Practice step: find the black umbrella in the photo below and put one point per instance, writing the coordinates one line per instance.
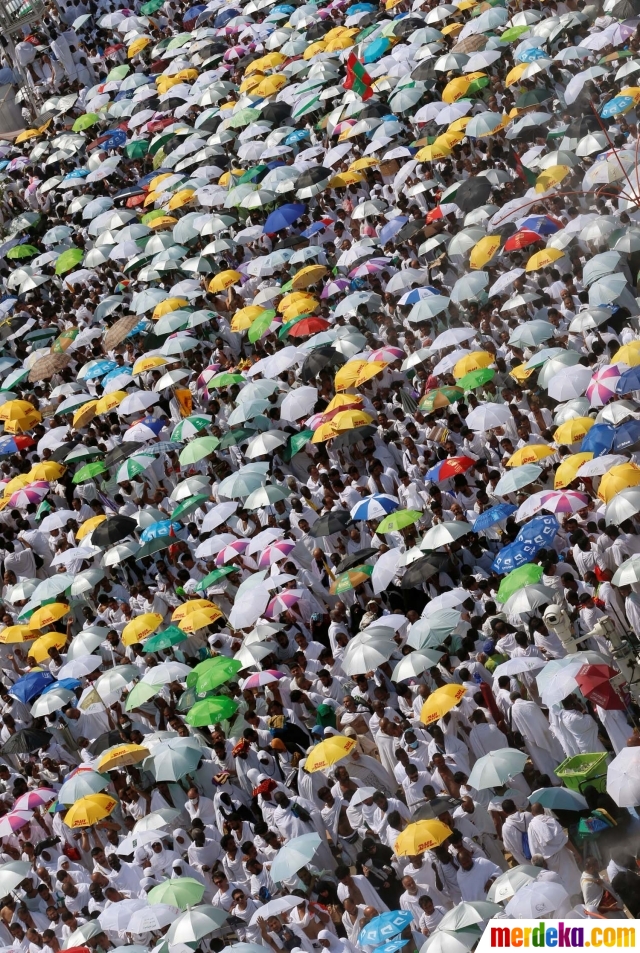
(313, 181)
(407, 25)
(356, 559)
(424, 70)
(582, 126)
(113, 530)
(504, 231)
(121, 453)
(330, 523)
(275, 112)
(318, 29)
(423, 569)
(473, 192)
(626, 9)
(435, 807)
(351, 437)
(408, 231)
(374, 110)
(319, 359)
(26, 740)
(104, 741)
(533, 97)
(293, 241)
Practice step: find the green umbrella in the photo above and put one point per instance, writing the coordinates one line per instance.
(15, 377)
(164, 640)
(151, 7)
(243, 117)
(89, 471)
(134, 466)
(136, 149)
(296, 443)
(118, 72)
(252, 174)
(83, 453)
(351, 579)
(398, 520)
(65, 340)
(287, 286)
(85, 122)
(306, 106)
(211, 711)
(513, 33)
(180, 892)
(68, 260)
(188, 505)
(517, 579)
(149, 217)
(533, 97)
(140, 694)
(261, 325)
(225, 380)
(23, 222)
(477, 85)
(191, 425)
(198, 449)
(233, 438)
(476, 378)
(287, 327)
(214, 576)
(22, 251)
(440, 397)
(212, 673)
(179, 40)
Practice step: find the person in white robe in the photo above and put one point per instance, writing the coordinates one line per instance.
(484, 737)
(514, 829)
(581, 726)
(542, 747)
(475, 876)
(616, 725)
(484, 829)
(548, 838)
(289, 825)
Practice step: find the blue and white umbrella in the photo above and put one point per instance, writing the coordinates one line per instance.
(375, 507)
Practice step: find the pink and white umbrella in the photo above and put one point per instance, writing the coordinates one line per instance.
(282, 602)
(388, 354)
(13, 821)
(603, 385)
(262, 678)
(33, 799)
(33, 493)
(275, 552)
(231, 551)
(564, 501)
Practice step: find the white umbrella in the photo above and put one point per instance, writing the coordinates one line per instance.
(298, 403)
(385, 569)
(623, 778)
(274, 907)
(86, 642)
(572, 382)
(527, 599)
(445, 533)
(366, 657)
(488, 416)
(218, 515)
(296, 853)
(542, 898)
(494, 769)
(507, 884)
(79, 667)
(153, 917)
(519, 665)
(624, 505)
(628, 573)
(600, 465)
(265, 443)
(117, 915)
(415, 664)
(249, 609)
(166, 672)
(51, 701)
(196, 923)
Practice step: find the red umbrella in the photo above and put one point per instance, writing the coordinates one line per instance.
(135, 200)
(521, 239)
(450, 467)
(308, 326)
(594, 681)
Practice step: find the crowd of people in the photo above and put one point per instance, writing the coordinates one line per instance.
(319, 492)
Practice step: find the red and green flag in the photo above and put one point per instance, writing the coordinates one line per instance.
(357, 77)
(527, 175)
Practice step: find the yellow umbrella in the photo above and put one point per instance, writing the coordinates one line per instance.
(26, 135)
(155, 182)
(17, 409)
(40, 648)
(308, 276)
(628, 354)
(456, 89)
(89, 525)
(85, 414)
(440, 702)
(89, 810)
(618, 478)
(329, 752)
(530, 454)
(521, 372)
(472, 362)
(186, 75)
(543, 258)
(567, 471)
(180, 198)
(251, 82)
(18, 633)
(370, 370)
(147, 363)
(313, 50)
(47, 615)
(551, 176)
(297, 297)
(49, 470)
(571, 431)
(141, 627)
(163, 221)
(367, 162)
(138, 46)
(348, 374)
(348, 419)
(421, 836)
(191, 606)
(341, 43)
(449, 139)
(152, 197)
(343, 400)
(168, 305)
(224, 280)
(121, 756)
(459, 125)
(633, 91)
(271, 85)
(269, 61)
(514, 74)
(22, 424)
(484, 250)
(299, 307)
(17, 483)
(343, 179)
(324, 432)
(245, 317)
(109, 401)
(432, 153)
(452, 29)
(200, 619)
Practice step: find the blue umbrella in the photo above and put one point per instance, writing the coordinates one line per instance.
(626, 435)
(223, 18)
(533, 537)
(8, 445)
(383, 928)
(76, 174)
(616, 106)
(152, 424)
(628, 381)
(376, 50)
(194, 12)
(97, 369)
(313, 229)
(370, 507)
(391, 228)
(116, 372)
(541, 224)
(541, 530)
(283, 217)
(599, 440)
(31, 685)
(114, 140)
(283, 8)
(296, 136)
(561, 799)
(160, 530)
(528, 56)
(70, 683)
(493, 516)
(360, 8)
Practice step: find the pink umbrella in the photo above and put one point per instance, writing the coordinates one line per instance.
(388, 354)
(369, 267)
(33, 493)
(564, 501)
(315, 421)
(275, 552)
(231, 551)
(14, 821)
(207, 374)
(282, 602)
(262, 678)
(603, 385)
(335, 287)
(33, 799)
